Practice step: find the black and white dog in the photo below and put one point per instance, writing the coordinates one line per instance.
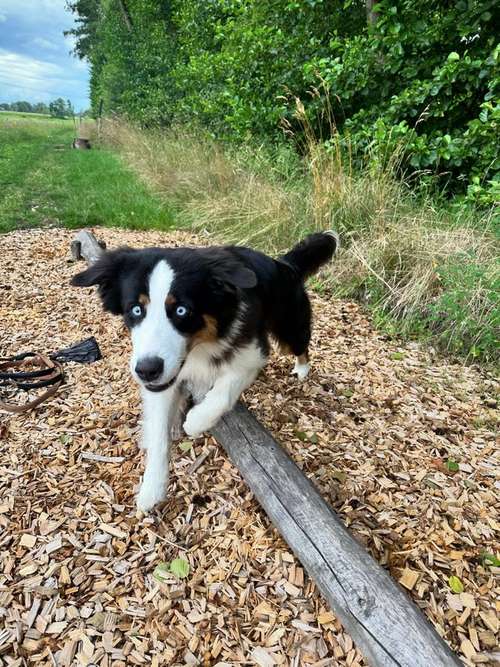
(199, 319)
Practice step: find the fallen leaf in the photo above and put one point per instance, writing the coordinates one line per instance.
(179, 567)
(455, 584)
(161, 572)
(490, 559)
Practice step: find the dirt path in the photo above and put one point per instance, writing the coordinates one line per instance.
(379, 428)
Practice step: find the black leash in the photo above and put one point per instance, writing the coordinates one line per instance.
(43, 371)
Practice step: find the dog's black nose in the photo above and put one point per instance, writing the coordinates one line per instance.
(149, 369)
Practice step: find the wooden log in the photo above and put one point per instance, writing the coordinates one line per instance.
(86, 246)
(384, 622)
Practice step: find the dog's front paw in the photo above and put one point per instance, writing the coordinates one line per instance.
(150, 494)
(196, 423)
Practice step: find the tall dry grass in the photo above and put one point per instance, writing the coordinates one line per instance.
(398, 254)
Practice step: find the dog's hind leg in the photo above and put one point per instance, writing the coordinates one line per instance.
(302, 366)
(294, 333)
(178, 412)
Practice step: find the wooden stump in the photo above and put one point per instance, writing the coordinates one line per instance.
(81, 144)
(86, 246)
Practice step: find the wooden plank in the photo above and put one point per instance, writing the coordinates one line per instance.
(384, 622)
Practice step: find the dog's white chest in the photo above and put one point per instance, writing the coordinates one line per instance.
(199, 372)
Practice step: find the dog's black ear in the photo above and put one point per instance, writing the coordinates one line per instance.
(234, 274)
(242, 277)
(106, 273)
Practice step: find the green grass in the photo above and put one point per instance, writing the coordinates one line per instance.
(44, 181)
(15, 115)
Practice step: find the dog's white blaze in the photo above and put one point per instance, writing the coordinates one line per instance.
(156, 336)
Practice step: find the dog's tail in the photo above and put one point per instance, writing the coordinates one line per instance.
(312, 252)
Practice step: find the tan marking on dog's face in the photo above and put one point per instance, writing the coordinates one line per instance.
(303, 358)
(143, 300)
(208, 334)
(170, 300)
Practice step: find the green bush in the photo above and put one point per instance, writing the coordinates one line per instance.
(422, 77)
(466, 314)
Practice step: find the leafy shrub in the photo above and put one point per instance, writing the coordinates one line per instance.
(466, 314)
(419, 269)
(423, 76)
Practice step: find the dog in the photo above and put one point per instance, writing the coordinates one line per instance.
(200, 321)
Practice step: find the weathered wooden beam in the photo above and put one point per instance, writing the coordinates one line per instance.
(384, 622)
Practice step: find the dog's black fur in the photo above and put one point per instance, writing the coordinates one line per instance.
(267, 294)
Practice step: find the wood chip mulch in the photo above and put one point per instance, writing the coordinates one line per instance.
(399, 441)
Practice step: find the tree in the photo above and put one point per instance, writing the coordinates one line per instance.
(22, 106)
(40, 107)
(60, 109)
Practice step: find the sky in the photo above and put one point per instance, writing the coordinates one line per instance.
(35, 58)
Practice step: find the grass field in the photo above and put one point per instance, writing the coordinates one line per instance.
(43, 181)
(16, 115)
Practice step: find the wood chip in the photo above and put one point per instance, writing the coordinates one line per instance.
(409, 578)
(112, 530)
(28, 541)
(262, 657)
(89, 456)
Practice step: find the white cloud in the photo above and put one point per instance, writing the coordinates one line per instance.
(71, 41)
(40, 10)
(45, 44)
(35, 60)
(36, 77)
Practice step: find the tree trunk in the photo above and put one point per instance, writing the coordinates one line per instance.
(371, 16)
(385, 623)
(126, 15)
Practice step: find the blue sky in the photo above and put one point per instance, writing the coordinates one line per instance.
(35, 60)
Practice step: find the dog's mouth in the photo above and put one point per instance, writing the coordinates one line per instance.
(156, 388)
(161, 387)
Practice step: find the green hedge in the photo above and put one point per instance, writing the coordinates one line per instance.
(421, 78)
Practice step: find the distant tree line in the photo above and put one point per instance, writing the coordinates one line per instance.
(58, 108)
(421, 79)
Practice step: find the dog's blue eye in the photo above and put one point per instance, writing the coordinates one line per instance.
(136, 311)
(181, 311)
